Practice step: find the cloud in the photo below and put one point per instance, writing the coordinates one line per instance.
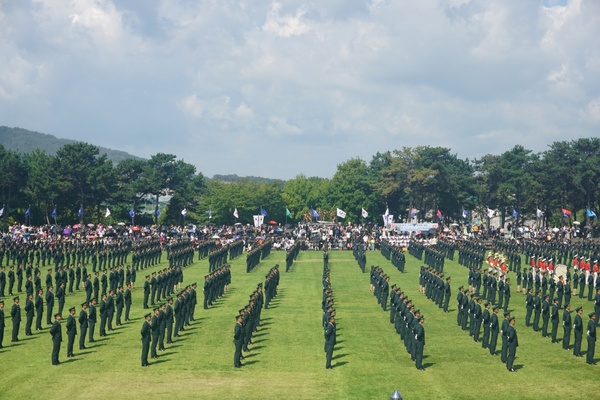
(218, 82)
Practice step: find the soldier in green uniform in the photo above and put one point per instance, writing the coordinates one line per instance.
(591, 339)
(330, 339)
(56, 333)
(146, 330)
(83, 325)
(554, 319)
(238, 340)
(503, 332)
(578, 331)
(486, 325)
(513, 343)
(71, 331)
(566, 321)
(494, 330)
(419, 343)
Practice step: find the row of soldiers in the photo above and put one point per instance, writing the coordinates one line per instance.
(182, 255)
(511, 252)
(217, 258)
(434, 258)
(495, 284)
(204, 248)
(162, 284)
(359, 253)
(408, 323)
(395, 254)
(546, 283)
(145, 254)
(292, 254)
(247, 322)
(471, 254)
(329, 314)
(254, 256)
(216, 284)
(431, 284)
(379, 286)
(446, 247)
(271, 284)
(236, 249)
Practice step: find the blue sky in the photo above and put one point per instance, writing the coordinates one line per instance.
(278, 88)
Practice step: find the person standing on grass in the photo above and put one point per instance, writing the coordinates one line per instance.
(591, 338)
(566, 321)
(494, 330)
(330, 339)
(56, 333)
(1, 322)
(238, 340)
(513, 343)
(578, 330)
(419, 343)
(83, 325)
(15, 313)
(92, 318)
(146, 331)
(71, 332)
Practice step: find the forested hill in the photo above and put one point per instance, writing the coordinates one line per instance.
(236, 178)
(24, 141)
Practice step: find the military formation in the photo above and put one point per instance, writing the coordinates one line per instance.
(395, 254)
(358, 251)
(328, 321)
(247, 323)
(292, 254)
(254, 256)
(215, 285)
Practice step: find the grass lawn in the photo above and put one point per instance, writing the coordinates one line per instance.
(287, 359)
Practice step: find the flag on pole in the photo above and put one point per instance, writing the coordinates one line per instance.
(490, 212)
(340, 213)
(439, 215)
(27, 212)
(131, 213)
(566, 213)
(235, 213)
(314, 213)
(157, 212)
(590, 213)
(515, 214)
(184, 212)
(364, 213)
(80, 212)
(288, 213)
(54, 213)
(413, 212)
(464, 213)
(1, 211)
(107, 213)
(263, 212)
(539, 213)
(209, 213)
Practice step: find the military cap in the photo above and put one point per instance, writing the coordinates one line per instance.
(579, 308)
(506, 313)
(15, 298)
(71, 309)
(148, 315)
(591, 314)
(83, 304)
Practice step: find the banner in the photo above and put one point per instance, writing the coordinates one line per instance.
(258, 220)
(422, 227)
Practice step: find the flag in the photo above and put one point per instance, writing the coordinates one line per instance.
(53, 213)
(1, 211)
(288, 213)
(184, 212)
(515, 214)
(364, 213)
(80, 212)
(590, 213)
(314, 213)
(490, 212)
(340, 213)
(539, 213)
(27, 212)
(131, 213)
(107, 213)
(263, 212)
(157, 212)
(413, 212)
(386, 213)
(439, 215)
(566, 213)
(464, 213)
(209, 213)
(235, 213)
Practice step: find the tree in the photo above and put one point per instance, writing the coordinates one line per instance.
(351, 189)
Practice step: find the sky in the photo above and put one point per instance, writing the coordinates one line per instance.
(279, 88)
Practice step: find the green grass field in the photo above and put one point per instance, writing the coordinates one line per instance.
(287, 359)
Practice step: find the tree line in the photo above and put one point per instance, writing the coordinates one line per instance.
(422, 178)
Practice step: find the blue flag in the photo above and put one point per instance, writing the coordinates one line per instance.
(464, 213)
(80, 212)
(27, 212)
(515, 214)
(131, 213)
(314, 213)
(263, 212)
(590, 213)
(158, 212)
(54, 213)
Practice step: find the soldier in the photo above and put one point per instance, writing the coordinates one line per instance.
(60, 296)
(83, 326)
(503, 332)
(537, 310)
(127, 300)
(39, 310)
(494, 330)
(169, 320)
(29, 314)
(71, 331)
(155, 327)
(146, 291)
(545, 315)
(330, 340)
(92, 318)
(477, 319)
(566, 321)
(513, 343)
(554, 319)
(578, 330)
(486, 325)
(506, 293)
(591, 339)
(56, 333)
(103, 315)
(110, 309)
(238, 340)
(1, 322)
(15, 313)
(119, 303)
(96, 285)
(49, 304)
(447, 293)
(419, 343)
(146, 333)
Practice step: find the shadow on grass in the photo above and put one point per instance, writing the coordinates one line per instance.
(251, 355)
(338, 356)
(517, 367)
(427, 365)
(158, 362)
(250, 362)
(257, 347)
(259, 341)
(340, 363)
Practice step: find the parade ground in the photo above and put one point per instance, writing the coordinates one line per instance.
(287, 358)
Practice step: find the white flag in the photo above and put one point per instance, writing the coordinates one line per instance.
(364, 213)
(490, 212)
(1, 211)
(235, 213)
(184, 212)
(539, 213)
(107, 213)
(341, 213)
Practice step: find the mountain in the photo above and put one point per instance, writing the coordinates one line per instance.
(234, 178)
(24, 141)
